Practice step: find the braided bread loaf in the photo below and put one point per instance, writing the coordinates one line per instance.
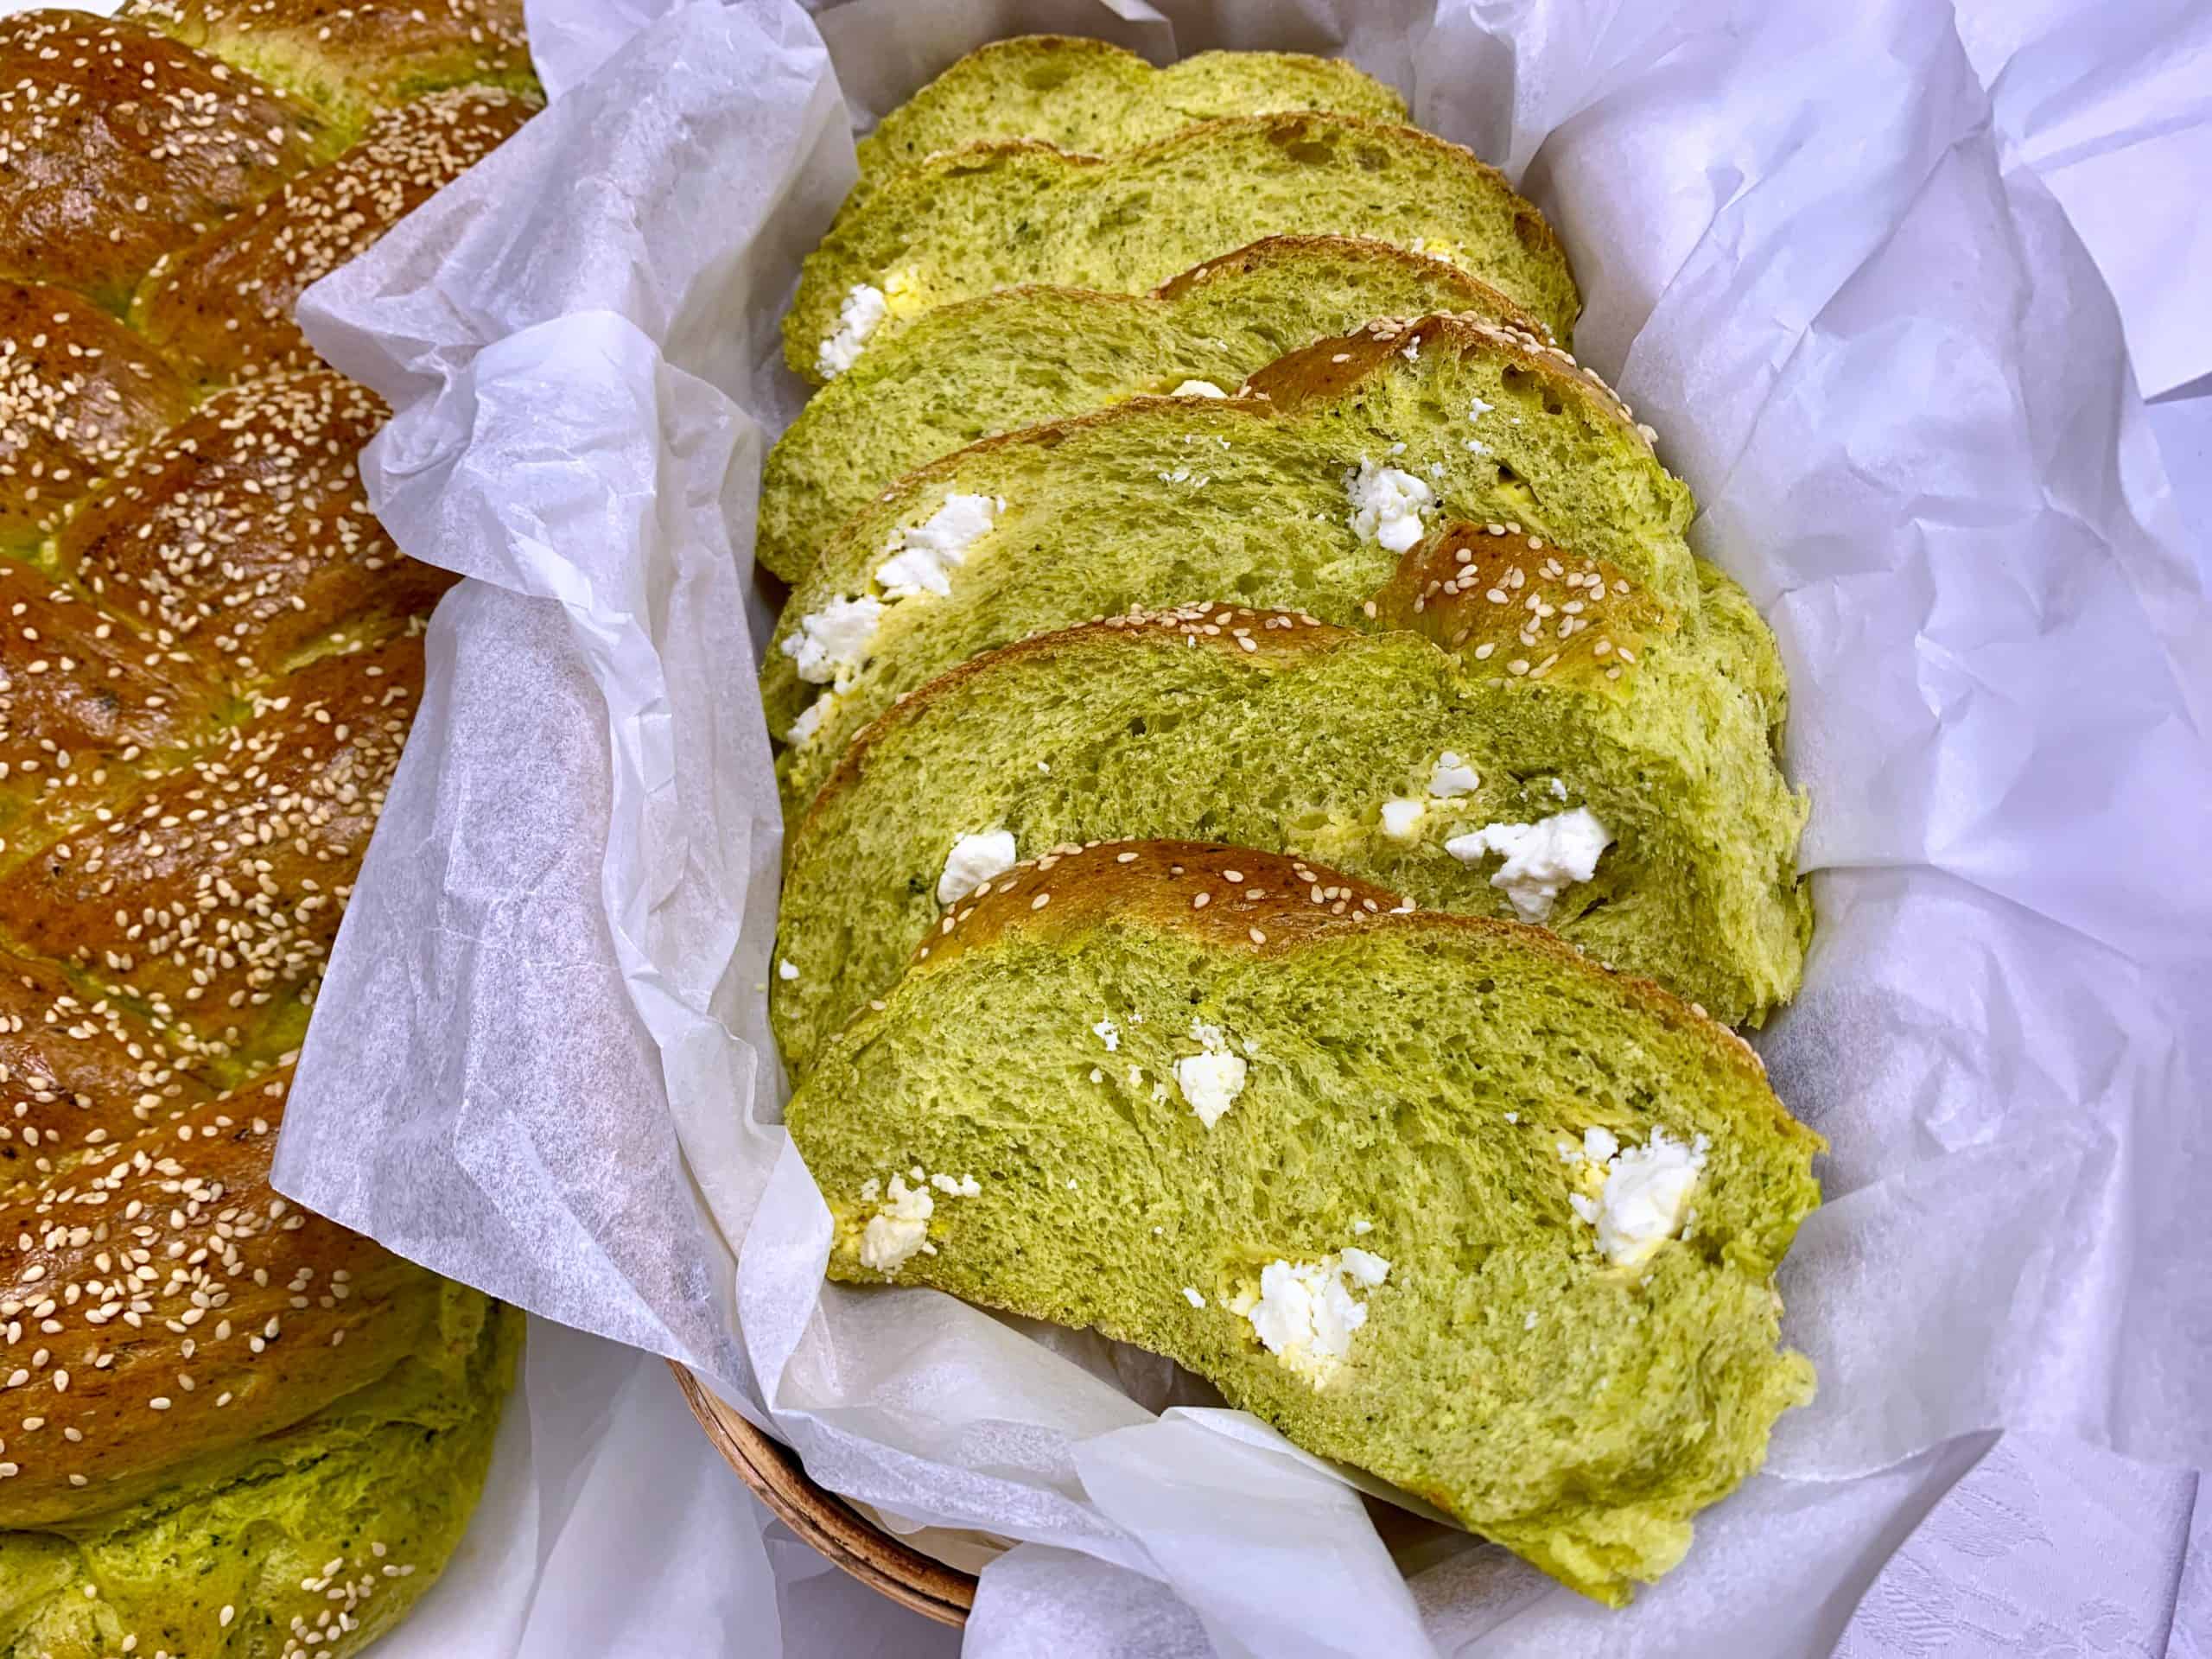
(226, 1427)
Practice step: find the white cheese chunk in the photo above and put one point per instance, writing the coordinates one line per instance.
(1452, 778)
(1199, 389)
(809, 719)
(862, 313)
(1108, 1033)
(899, 1230)
(973, 861)
(831, 643)
(1540, 859)
(1646, 1191)
(1306, 1312)
(922, 556)
(1401, 818)
(1387, 503)
(1210, 1082)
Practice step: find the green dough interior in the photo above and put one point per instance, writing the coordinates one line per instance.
(1417, 1074)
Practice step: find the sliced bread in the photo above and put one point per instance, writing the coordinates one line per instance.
(1605, 817)
(1086, 95)
(1300, 497)
(990, 215)
(1021, 356)
(1436, 1196)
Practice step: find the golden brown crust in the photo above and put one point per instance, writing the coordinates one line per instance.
(1510, 603)
(86, 705)
(205, 684)
(78, 391)
(1329, 368)
(77, 1072)
(1232, 898)
(242, 535)
(162, 1302)
(223, 306)
(1255, 903)
(383, 49)
(212, 896)
(1478, 296)
(117, 144)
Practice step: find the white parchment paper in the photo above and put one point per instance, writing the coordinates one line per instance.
(1895, 375)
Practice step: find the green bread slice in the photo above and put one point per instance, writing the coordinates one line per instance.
(1436, 1196)
(1161, 502)
(992, 215)
(1372, 753)
(1086, 95)
(1023, 356)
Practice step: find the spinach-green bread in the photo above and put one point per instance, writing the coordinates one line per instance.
(1303, 496)
(1023, 356)
(1435, 1195)
(1623, 822)
(990, 215)
(1085, 95)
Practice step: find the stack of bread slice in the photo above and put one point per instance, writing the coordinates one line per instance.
(1281, 822)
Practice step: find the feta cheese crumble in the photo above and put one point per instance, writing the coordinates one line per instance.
(809, 719)
(831, 643)
(1306, 1312)
(862, 315)
(1210, 1081)
(899, 1232)
(973, 861)
(1387, 503)
(829, 646)
(1452, 778)
(786, 969)
(1644, 1194)
(1540, 858)
(1401, 818)
(1108, 1033)
(1199, 389)
(922, 556)
(1191, 1296)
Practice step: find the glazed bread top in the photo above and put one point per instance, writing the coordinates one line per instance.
(349, 56)
(223, 304)
(116, 145)
(209, 659)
